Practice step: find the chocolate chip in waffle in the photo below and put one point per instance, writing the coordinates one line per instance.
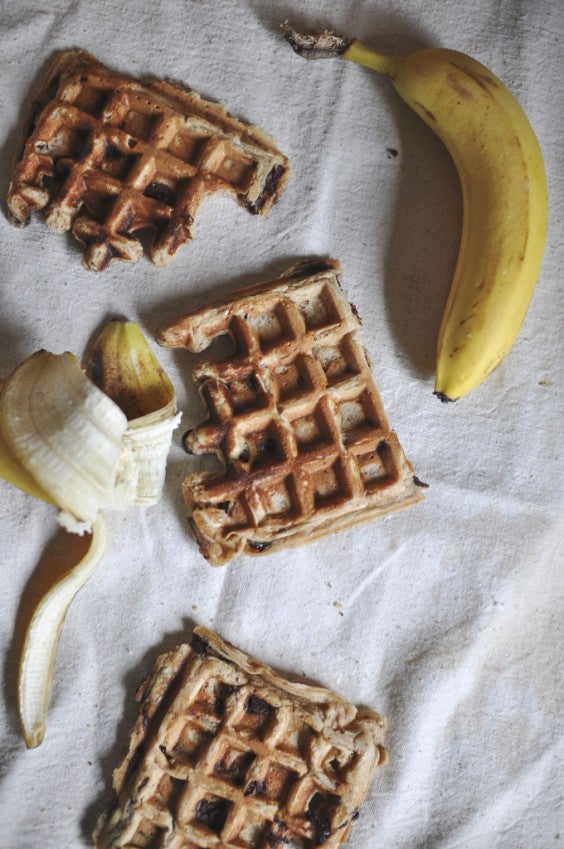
(294, 416)
(107, 156)
(228, 754)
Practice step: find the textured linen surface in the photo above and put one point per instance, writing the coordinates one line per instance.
(445, 617)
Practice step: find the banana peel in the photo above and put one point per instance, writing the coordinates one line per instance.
(11, 470)
(44, 627)
(65, 432)
(94, 440)
(125, 368)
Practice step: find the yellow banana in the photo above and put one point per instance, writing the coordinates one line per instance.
(505, 203)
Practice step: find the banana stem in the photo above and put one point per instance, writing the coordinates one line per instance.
(383, 63)
(327, 45)
(318, 45)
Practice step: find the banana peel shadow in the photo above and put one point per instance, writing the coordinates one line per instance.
(424, 240)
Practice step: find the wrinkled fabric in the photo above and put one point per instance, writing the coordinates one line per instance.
(447, 616)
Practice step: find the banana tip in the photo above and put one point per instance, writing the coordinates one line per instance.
(33, 737)
(444, 398)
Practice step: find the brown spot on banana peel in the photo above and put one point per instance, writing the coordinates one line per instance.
(464, 320)
(485, 81)
(96, 368)
(460, 89)
(425, 111)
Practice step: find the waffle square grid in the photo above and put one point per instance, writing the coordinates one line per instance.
(108, 156)
(228, 754)
(293, 415)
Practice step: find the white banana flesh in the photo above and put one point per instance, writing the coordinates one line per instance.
(504, 190)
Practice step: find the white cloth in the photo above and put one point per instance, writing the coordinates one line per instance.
(445, 617)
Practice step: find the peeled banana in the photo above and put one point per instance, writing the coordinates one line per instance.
(504, 191)
(85, 442)
(85, 447)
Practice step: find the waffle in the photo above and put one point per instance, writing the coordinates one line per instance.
(293, 415)
(227, 754)
(107, 156)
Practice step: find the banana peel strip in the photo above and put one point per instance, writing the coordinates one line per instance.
(42, 638)
(124, 367)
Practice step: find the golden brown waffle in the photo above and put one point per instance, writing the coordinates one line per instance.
(107, 156)
(294, 416)
(227, 754)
